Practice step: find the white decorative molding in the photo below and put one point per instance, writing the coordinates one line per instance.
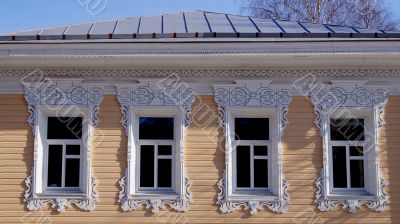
(52, 95)
(35, 202)
(156, 95)
(276, 205)
(169, 92)
(199, 74)
(60, 96)
(128, 203)
(325, 204)
(331, 98)
(252, 94)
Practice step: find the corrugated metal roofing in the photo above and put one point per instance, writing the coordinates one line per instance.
(194, 24)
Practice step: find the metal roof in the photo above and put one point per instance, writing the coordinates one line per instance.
(194, 24)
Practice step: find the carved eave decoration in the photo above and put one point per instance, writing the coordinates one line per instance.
(358, 96)
(165, 92)
(56, 95)
(198, 73)
(252, 94)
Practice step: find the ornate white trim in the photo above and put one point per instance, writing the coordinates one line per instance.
(128, 203)
(166, 92)
(227, 206)
(199, 74)
(35, 202)
(252, 94)
(60, 94)
(145, 95)
(52, 96)
(326, 204)
(329, 98)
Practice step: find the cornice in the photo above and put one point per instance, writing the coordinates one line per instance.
(184, 51)
(209, 73)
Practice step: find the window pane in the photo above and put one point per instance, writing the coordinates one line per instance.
(73, 150)
(243, 166)
(357, 173)
(156, 128)
(165, 150)
(356, 151)
(147, 166)
(261, 173)
(64, 128)
(164, 172)
(347, 129)
(339, 167)
(252, 128)
(261, 150)
(54, 172)
(72, 172)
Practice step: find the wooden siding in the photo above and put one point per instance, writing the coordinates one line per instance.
(302, 161)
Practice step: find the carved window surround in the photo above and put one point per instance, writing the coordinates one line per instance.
(250, 95)
(153, 96)
(358, 99)
(61, 98)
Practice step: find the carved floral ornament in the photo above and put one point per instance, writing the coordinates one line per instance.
(155, 93)
(58, 97)
(359, 97)
(256, 95)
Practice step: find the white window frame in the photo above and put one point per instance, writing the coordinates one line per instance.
(135, 190)
(155, 98)
(369, 178)
(61, 99)
(244, 194)
(63, 143)
(41, 184)
(347, 99)
(253, 98)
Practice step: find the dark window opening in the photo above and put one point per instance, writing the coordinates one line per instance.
(339, 167)
(347, 129)
(64, 128)
(156, 128)
(251, 128)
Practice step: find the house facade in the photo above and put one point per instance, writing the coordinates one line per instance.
(199, 117)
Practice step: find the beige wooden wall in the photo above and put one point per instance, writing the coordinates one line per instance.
(302, 161)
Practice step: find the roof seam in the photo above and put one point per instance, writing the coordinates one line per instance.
(280, 27)
(184, 21)
(254, 24)
(208, 23)
(230, 22)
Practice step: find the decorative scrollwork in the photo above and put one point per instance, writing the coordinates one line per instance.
(163, 96)
(325, 204)
(129, 203)
(279, 205)
(242, 96)
(86, 203)
(52, 95)
(330, 99)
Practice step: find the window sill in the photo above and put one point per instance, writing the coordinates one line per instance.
(61, 194)
(252, 197)
(154, 196)
(351, 196)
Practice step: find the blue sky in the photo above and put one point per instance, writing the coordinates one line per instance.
(16, 15)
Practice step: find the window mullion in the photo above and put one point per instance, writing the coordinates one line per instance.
(156, 165)
(63, 161)
(348, 167)
(252, 166)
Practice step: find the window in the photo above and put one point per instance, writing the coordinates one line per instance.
(155, 117)
(251, 157)
(64, 143)
(63, 115)
(347, 143)
(157, 146)
(350, 118)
